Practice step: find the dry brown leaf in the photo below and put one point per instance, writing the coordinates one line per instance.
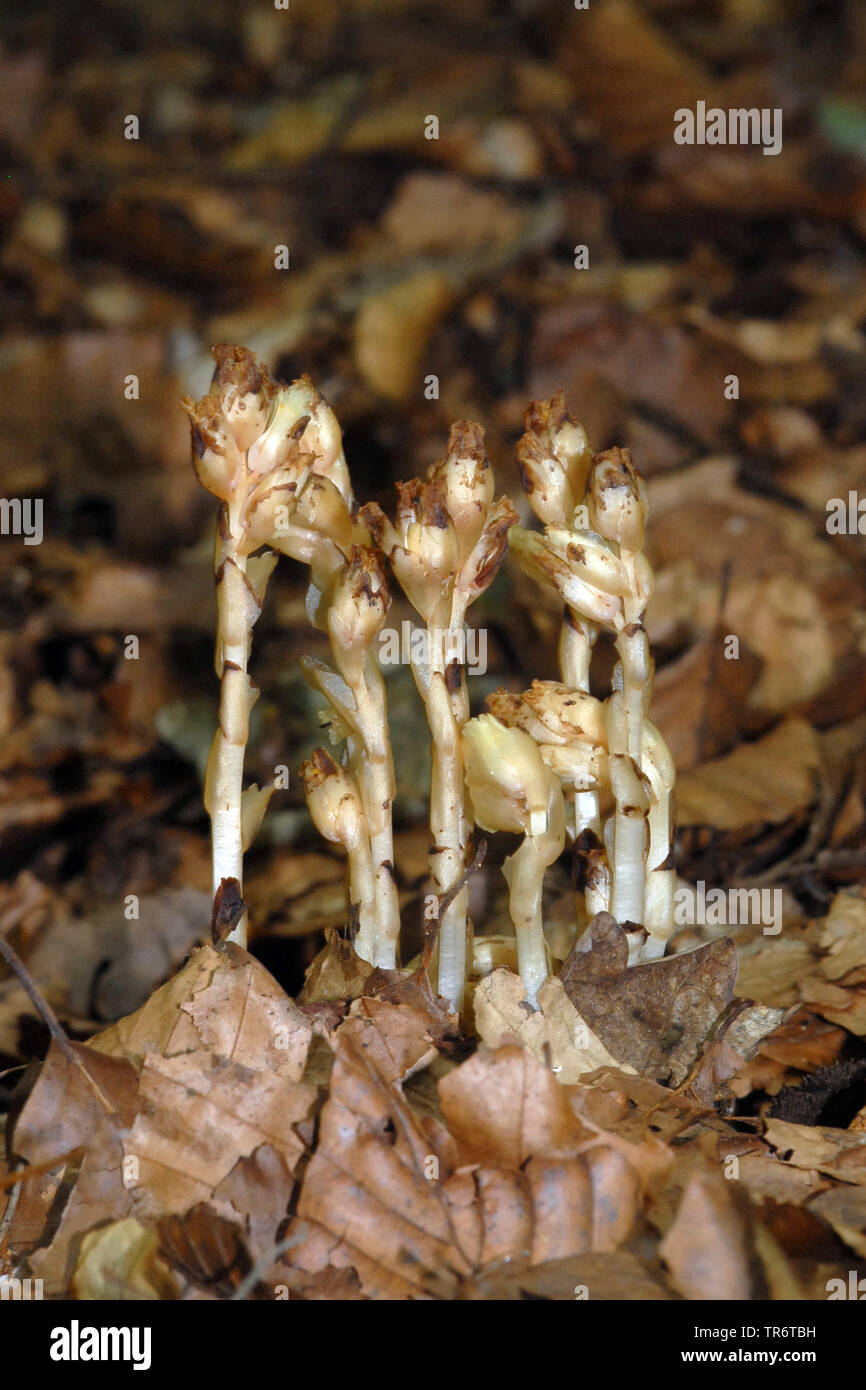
(224, 1002)
(201, 1114)
(614, 1276)
(63, 1115)
(845, 1209)
(336, 973)
(655, 1016)
(395, 1037)
(366, 1202)
(839, 1152)
(502, 1107)
(416, 1210)
(443, 213)
(555, 1033)
(706, 1250)
(762, 783)
(206, 1248)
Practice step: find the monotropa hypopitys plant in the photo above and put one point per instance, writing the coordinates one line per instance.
(541, 763)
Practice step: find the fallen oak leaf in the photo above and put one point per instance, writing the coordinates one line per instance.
(656, 1016)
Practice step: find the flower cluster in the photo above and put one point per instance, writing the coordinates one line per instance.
(539, 762)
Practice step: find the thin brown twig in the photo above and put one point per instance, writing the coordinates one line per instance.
(51, 1021)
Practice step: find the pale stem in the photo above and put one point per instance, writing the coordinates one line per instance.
(575, 653)
(376, 784)
(362, 889)
(524, 871)
(227, 787)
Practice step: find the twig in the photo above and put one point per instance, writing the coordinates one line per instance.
(51, 1021)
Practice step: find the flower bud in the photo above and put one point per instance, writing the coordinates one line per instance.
(322, 507)
(425, 556)
(333, 799)
(215, 454)
(467, 484)
(550, 564)
(508, 783)
(554, 457)
(244, 389)
(617, 499)
(280, 440)
(358, 606)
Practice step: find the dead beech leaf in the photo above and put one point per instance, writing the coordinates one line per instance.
(843, 938)
(734, 1041)
(705, 1250)
(201, 1114)
(337, 972)
(614, 1276)
(62, 1115)
(226, 1003)
(841, 1153)
(655, 1017)
(121, 1261)
(442, 213)
(394, 1035)
(502, 1107)
(256, 1196)
(783, 619)
(206, 1248)
(762, 783)
(617, 48)
(366, 1202)
(555, 1033)
(416, 1210)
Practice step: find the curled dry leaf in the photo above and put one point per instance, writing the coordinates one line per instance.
(656, 1016)
(841, 1153)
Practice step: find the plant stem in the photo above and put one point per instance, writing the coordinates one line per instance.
(375, 774)
(226, 770)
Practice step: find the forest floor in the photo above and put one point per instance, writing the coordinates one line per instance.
(224, 1123)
